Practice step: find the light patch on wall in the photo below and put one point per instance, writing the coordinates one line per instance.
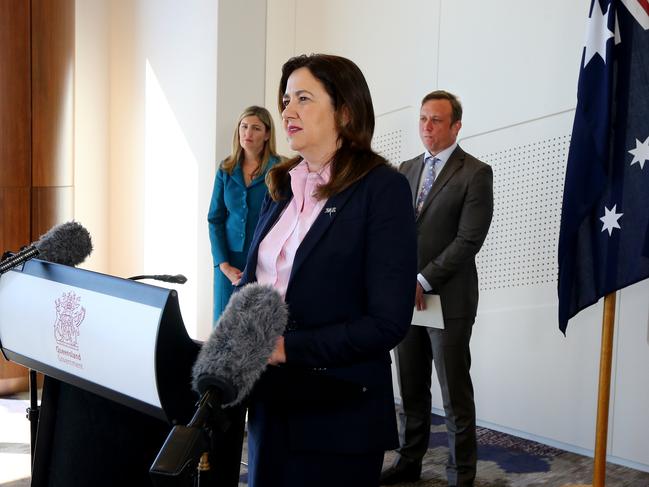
(171, 170)
(66, 125)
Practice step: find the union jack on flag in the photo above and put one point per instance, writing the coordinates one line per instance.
(604, 235)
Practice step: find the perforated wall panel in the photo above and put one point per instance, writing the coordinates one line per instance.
(521, 248)
(388, 144)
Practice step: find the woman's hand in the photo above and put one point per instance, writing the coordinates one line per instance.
(231, 272)
(279, 354)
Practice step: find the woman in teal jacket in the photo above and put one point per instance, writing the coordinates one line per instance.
(239, 189)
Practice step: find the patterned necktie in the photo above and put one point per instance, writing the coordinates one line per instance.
(429, 178)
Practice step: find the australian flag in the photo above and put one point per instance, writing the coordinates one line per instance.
(604, 236)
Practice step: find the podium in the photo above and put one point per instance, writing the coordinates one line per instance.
(117, 361)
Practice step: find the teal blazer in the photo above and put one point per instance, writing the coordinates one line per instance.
(234, 211)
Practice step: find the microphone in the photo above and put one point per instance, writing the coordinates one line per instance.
(227, 366)
(177, 279)
(68, 244)
(237, 351)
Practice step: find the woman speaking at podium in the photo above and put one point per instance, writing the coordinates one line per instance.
(336, 238)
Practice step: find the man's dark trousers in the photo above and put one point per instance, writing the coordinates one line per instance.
(449, 349)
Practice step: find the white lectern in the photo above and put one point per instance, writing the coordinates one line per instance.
(120, 339)
(122, 361)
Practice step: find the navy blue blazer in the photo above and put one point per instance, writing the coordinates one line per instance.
(350, 297)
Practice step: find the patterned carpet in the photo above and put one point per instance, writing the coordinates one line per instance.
(508, 461)
(504, 460)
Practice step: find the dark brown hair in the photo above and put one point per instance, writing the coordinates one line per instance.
(268, 151)
(354, 115)
(456, 106)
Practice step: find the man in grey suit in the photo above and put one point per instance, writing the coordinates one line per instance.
(453, 200)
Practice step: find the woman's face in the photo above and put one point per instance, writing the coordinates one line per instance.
(309, 118)
(252, 135)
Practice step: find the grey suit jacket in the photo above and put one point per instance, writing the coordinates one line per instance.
(451, 228)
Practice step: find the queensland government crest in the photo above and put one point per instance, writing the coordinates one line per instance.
(69, 316)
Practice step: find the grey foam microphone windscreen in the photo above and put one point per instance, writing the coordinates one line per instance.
(68, 244)
(238, 349)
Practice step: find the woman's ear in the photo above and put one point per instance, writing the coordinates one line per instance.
(344, 116)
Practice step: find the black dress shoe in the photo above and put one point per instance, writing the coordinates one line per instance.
(401, 471)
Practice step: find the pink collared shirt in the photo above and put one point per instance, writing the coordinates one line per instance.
(277, 249)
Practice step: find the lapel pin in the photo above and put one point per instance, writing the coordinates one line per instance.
(330, 211)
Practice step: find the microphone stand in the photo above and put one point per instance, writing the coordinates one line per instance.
(33, 412)
(187, 447)
(177, 279)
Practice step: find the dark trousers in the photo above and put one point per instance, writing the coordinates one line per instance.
(273, 462)
(449, 350)
(227, 446)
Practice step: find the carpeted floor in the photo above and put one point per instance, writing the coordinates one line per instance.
(14, 443)
(504, 460)
(508, 461)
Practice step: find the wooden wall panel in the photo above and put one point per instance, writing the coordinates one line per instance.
(52, 92)
(14, 218)
(50, 206)
(15, 94)
(36, 129)
(13, 377)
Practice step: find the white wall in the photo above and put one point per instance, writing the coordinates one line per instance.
(241, 65)
(162, 132)
(515, 67)
(160, 87)
(372, 33)
(91, 142)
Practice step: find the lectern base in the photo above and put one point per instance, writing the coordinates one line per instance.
(86, 440)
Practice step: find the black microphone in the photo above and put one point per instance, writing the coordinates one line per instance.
(68, 244)
(237, 351)
(177, 279)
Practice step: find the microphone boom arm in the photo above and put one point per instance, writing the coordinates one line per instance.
(18, 258)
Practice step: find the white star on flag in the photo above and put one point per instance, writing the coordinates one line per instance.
(640, 153)
(598, 34)
(610, 219)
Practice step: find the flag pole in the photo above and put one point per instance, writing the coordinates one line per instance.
(605, 361)
(604, 394)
